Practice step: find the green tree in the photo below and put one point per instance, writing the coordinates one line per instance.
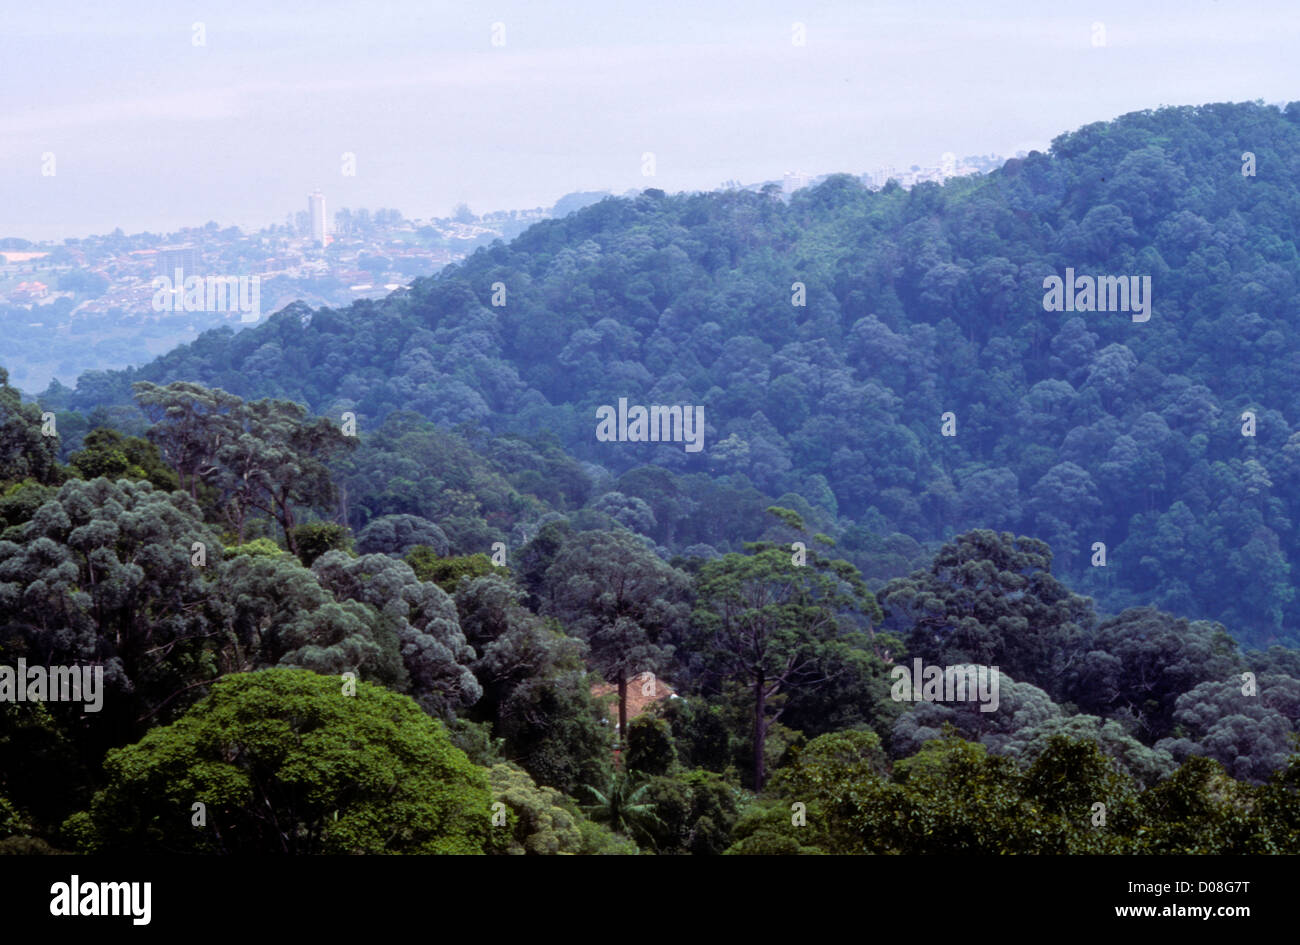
(104, 574)
(767, 622)
(277, 462)
(265, 456)
(991, 599)
(623, 600)
(536, 689)
(313, 539)
(399, 534)
(284, 762)
(650, 746)
(190, 423)
(24, 452)
(447, 573)
(695, 813)
(421, 617)
(1141, 662)
(1199, 809)
(543, 821)
(622, 803)
(1278, 808)
(106, 452)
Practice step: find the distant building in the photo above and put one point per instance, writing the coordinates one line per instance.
(883, 175)
(316, 208)
(183, 257)
(279, 263)
(29, 292)
(794, 180)
(643, 691)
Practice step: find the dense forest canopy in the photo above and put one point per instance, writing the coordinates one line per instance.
(1072, 427)
(907, 456)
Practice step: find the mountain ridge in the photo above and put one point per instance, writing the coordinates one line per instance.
(1073, 428)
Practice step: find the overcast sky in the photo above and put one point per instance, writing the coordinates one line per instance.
(150, 131)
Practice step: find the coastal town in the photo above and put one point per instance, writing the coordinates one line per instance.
(72, 306)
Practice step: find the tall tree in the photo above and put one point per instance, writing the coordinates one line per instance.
(623, 600)
(991, 598)
(265, 456)
(104, 574)
(190, 424)
(277, 463)
(24, 451)
(769, 621)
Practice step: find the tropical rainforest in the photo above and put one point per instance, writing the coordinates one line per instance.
(366, 579)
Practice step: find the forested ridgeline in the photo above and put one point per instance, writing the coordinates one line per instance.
(1074, 427)
(368, 580)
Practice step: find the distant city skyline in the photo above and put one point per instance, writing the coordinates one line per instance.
(947, 165)
(158, 118)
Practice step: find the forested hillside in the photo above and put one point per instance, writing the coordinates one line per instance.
(905, 459)
(1071, 427)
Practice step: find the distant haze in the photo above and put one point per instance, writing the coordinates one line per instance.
(151, 132)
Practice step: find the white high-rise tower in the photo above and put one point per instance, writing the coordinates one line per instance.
(316, 207)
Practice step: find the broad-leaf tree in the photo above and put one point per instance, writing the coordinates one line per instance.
(611, 590)
(767, 621)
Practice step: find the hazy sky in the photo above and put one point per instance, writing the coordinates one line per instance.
(150, 131)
